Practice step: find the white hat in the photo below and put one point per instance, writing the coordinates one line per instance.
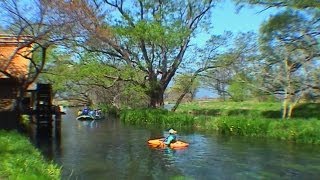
(171, 131)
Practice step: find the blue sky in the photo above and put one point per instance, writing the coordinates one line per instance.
(225, 18)
(248, 19)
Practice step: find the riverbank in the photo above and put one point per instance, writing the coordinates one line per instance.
(21, 160)
(253, 119)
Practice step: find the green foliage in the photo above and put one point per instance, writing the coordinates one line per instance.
(20, 160)
(158, 117)
(241, 125)
(286, 24)
(239, 87)
(185, 83)
(57, 68)
(25, 119)
(302, 4)
(154, 32)
(133, 97)
(298, 4)
(300, 131)
(238, 91)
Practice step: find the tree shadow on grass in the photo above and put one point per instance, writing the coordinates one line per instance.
(271, 114)
(207, 112)
(305, 111)
(238, 112)
(218, 112)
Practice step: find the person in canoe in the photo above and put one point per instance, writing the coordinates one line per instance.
(85, 110)
(172, 138)
(79, 112)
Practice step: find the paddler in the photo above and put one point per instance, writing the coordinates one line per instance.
(171, 138)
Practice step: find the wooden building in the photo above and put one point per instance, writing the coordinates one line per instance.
(14, 52)
(15, 59)
(14, 66)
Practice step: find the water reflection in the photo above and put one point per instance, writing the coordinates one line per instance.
(47, 136)
(89, 124)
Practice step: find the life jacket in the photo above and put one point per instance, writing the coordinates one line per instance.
(170, 139)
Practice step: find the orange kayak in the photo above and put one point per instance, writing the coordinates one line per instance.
(158, 143)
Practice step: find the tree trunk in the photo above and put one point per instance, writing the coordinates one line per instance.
(18, 105)
(178, 102)
(291, 107)
(156, 97)
(285, 106)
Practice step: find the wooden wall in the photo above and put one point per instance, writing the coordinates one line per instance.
(13, 51)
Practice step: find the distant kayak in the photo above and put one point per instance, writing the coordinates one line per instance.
(85, 117)
(158, 143)
(89, 117)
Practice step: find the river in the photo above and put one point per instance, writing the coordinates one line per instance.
(109, 149)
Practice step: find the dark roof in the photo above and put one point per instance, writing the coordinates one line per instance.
(13, 39)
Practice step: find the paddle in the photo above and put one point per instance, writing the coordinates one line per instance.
(162, 145)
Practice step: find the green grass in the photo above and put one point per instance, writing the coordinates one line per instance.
(214, 108)
(255, 119)
(158, 117)
(271, 110)
(21, 160)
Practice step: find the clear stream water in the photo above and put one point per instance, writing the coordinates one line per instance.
(108, 149)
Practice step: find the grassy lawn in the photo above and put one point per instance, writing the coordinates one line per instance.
(213, 108)
(225, 105)
(249, 108)
(19, 159)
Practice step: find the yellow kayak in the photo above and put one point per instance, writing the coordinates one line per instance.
(158, 143)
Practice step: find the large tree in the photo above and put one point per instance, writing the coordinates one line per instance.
(150, 37)
(290, 46)
(290, 43)
(236, 60)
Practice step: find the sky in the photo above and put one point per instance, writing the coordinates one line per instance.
(225, 18)
(248, 19)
